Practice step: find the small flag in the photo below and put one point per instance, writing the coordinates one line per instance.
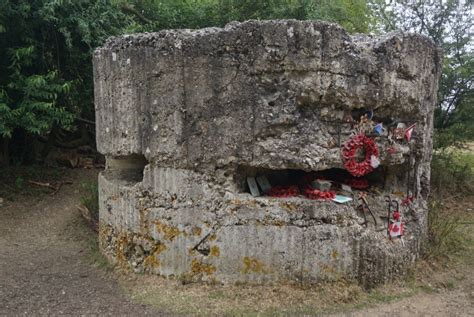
(379, 128)
(399, 131)
(374, 161)
(395, 229)
(408, 132)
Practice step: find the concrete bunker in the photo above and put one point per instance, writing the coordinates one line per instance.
(303, 111)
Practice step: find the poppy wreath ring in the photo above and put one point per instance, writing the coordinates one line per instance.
(350, 149)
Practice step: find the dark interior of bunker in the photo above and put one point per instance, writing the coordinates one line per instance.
(378, 167)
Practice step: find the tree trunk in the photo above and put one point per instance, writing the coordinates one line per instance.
(5, 152)
(49, 143)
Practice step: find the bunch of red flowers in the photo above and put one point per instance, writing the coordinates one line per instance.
(358, 183)
(284, 191)
(318, 194)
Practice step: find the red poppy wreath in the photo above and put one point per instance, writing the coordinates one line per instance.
(349, 151)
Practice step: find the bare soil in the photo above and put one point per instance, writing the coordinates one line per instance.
(43, 264)
(49, 265)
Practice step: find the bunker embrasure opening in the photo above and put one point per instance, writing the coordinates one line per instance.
(128, 168)
(318, 185)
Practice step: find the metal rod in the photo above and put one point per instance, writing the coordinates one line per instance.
(389, 200)
(368, 208)
(408, 176)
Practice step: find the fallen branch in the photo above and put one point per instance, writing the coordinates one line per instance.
(48, 185)
(60, 184)
(55, 187)
(85, 121)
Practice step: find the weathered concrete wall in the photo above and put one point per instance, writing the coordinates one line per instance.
(207, 107)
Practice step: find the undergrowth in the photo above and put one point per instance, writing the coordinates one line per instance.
(445, 235)
(452, 182)
(452, 174)
(16, 180)
(90, 197)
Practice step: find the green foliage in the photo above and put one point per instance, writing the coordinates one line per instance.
(152, 15)
(353, 15)
(19, 182)
(37, 107)
(452, 172)
(45, 61)
(449, 24)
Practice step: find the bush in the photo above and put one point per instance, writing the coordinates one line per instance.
(452, 173)
(452, 177)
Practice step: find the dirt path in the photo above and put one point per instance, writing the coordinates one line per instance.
(459, 302)
(42, 266)
(44, 271)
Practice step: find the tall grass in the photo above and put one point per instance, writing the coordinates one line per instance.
(445, 237)
(452, 182)
(90, 198)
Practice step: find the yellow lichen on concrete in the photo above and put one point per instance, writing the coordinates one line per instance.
(289, 206)
(215, 251)
(252, 265)
(330, 270)
(197, 267)
(159, 248)
(334, 254)
(122, 247)
(270, 221)
(104, 233)
(278, 223)
(197, 231)
(236, 202)
(144, 224)
(152, 261)
(251, 203)
(169, 232)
